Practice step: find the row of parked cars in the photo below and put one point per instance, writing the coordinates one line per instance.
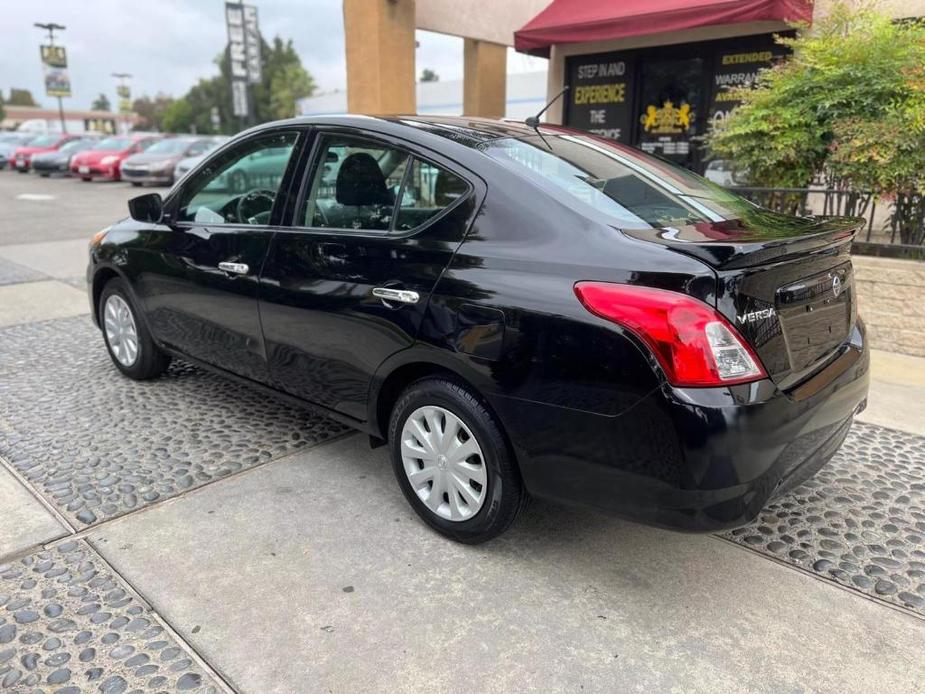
(138, 158)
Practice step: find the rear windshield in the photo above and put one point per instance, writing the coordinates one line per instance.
(626, 187)
(116, 143)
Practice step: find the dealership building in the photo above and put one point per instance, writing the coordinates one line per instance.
(650, 73)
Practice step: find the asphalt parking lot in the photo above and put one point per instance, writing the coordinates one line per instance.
(186, 534)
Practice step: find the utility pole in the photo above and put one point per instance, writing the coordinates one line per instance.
(124, 94)
(51, 28)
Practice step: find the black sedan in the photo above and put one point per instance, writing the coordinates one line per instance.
(512, 310)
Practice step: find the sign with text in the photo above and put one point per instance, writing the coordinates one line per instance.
(252, 45)
(54, 65)
(737, 66)
(600, 95)
(124, 92)
(243, 54)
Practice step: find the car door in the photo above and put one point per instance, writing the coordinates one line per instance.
(347, 285)
(201, 268)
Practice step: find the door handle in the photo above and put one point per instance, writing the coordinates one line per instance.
(234, 268)
(402, 296)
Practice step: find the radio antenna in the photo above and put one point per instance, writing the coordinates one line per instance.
(534, 121)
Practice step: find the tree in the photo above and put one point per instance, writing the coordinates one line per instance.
(21, 97)
(2, 110)
(101, 103)
(285, 81)
(178, 116)
(150, 111)
(428, 75)
(852, 82)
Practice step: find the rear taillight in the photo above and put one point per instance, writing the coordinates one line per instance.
(695, 345)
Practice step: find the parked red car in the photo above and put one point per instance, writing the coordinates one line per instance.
(21, 159)
(105, 159)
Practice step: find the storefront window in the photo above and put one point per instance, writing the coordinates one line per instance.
(664, 99)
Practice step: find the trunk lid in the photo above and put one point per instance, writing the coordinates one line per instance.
(785, 283)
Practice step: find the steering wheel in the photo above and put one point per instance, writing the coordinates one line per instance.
(255, 204)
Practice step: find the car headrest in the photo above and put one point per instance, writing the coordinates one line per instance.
(448, 189)
(360, 182)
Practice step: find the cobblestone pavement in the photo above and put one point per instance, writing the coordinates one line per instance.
(860, 521)
(97, 445)
(68, 625)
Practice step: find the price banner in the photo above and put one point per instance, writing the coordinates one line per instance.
(54, 65)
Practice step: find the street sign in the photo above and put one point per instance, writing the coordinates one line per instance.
(54, 65)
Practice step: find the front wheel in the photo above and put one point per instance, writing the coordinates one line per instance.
(452, 461)
(127, 338)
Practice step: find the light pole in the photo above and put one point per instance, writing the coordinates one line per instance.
(122, 91)
(51, 28)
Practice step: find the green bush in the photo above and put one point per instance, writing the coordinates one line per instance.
(849, 103)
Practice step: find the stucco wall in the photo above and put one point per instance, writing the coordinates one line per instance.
(891, 296)
(485, 20)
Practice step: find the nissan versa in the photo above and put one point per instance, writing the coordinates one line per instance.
(513, 310)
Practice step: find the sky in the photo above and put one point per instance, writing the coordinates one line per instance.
(167, 45)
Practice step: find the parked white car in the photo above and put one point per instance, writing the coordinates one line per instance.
(185, 165)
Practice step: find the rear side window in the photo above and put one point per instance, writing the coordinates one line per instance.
(359, 184)
(355, 186)
(428, 191)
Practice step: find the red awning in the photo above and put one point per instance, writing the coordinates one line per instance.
(575, 21)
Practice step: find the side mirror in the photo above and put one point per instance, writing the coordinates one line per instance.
(147, 208)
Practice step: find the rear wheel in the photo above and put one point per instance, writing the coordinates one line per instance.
(452, 461)
(127, 338)
(136, 184)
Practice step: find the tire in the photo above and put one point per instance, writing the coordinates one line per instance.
(44, 175)
(85, 178)
(136, 184)
(149, 361)
(504, 493)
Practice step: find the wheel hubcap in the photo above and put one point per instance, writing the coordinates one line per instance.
(444, 463)
(120, 330)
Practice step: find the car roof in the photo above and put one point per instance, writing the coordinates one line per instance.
(466, 130)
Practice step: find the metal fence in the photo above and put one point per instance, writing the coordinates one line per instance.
(892, 227)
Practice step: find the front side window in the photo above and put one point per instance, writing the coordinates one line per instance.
(239, 186)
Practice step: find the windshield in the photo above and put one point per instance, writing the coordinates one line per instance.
(44, 141)
(629, 188)
(170, 146)
(76, 146)
(116, 143)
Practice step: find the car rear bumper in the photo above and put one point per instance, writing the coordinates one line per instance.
(695, 459)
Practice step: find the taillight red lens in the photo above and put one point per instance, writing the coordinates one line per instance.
(695, 344)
